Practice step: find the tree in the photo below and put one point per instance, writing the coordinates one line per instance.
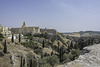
(19, 37)
(31, 63)
(61, 54)
(76, 45)
(58, 46)
(12, 38)
(62, 51)
(43, 43)
(21, 64)
(5, 47)
(25, 65)
(68, 48)
(71, 45)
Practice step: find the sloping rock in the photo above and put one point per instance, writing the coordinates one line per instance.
(91, 59)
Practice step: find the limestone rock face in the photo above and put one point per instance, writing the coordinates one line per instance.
(91, 59)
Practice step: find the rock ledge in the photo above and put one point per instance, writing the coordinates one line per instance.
(89, 59)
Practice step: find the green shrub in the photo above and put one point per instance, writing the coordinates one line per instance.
(28, 44)
(53, 60)
(66, 57)
(75, 53)
(47, 65)
(38, 51)
(42, 62)
(49, 61)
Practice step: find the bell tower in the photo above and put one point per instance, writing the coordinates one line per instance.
(24, 24)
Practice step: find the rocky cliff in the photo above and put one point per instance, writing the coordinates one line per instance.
(91, 58)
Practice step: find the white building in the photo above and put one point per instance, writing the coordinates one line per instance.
(6, 31)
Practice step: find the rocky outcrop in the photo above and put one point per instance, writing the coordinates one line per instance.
(90, 59)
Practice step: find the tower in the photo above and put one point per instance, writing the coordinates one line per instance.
(24, 24)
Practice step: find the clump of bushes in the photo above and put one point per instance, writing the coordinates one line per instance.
(28, 44)
(71, 55)
(49, 61)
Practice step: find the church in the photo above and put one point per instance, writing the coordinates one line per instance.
(25, 30)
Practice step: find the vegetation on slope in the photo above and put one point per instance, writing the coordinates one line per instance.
(66, 52)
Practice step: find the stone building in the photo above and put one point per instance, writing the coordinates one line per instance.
(6, 31)
(32, 30)
(25, 30)
(49, 31)
(52, 33)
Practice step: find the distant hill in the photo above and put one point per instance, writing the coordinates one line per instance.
(83, 33)
(96, 32)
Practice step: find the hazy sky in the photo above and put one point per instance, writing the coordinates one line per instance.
(63, 15)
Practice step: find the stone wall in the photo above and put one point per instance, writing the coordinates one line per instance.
(26, 30)
(16, 30)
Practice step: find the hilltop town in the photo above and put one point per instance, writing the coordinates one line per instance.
(37, 47)
(25, 30)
